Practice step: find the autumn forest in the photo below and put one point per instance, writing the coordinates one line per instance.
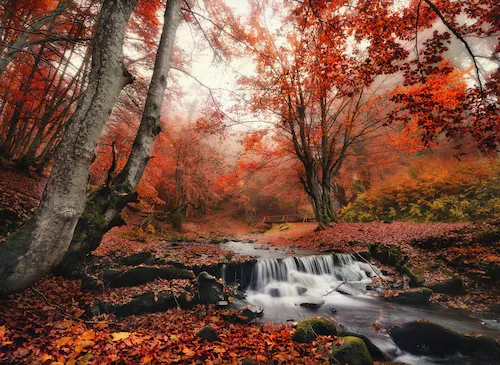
(250, 182)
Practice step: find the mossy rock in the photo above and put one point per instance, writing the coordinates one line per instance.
(426, 338)
(352, 351)
(310, 328)
(376, 353)
(386, 254)
(414, 297)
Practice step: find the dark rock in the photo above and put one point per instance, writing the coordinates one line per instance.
(146, 303)
(366, 255)
(138, 258)
(142, 275)
(274, 292)
(247, 361)
(352, 351)
(386, 254)
(495, 308)
(313, 304)
(308, 329)
(431, 339)
(416, 297)
(301, 290)
(342, 291)
(455, 286)
(208, 334)
(252, 311)
(332, 310)
(376, 353)
(209, 289)
(202, 314)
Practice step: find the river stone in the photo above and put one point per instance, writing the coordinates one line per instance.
(209, 289)
(252, 311)
(416, 297)
(313, 303)
(352, 351)
(308, 329)
(208, 333)
(142, 275)
(426, 338)
(376, 353)
(454, 286)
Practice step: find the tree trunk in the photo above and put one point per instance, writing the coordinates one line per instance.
(36, 248)
(104, 206)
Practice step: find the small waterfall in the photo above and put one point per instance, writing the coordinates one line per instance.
(293, 276)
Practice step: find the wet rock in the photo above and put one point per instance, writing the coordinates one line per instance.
(301, 290)
(386, 254)
(454, 286)
(376, 353)
(138, 259)
(308, 329)
(415, 297)
(313, 304)
(351, 351)
(208, 334)
(332, 310)
(142, 275)
(495, 308)
(222, 304)
(274, 292)
(209, 289)
(426, 338)
(252, 311)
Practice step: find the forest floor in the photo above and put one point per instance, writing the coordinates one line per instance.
(53, 323)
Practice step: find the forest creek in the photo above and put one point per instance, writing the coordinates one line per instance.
(150, 297)
(250, 182)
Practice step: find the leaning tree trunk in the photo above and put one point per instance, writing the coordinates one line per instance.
(104, 206)
(36, 248)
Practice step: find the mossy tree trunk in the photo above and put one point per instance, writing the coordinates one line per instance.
(104, 206)
(36, 248)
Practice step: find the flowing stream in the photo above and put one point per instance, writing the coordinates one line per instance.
(280, 283)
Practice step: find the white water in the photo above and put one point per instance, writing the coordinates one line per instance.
(294, 278)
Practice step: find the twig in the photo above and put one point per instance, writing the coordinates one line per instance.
(331, 291)
(61, 309)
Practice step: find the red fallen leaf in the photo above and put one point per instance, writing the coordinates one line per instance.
(188, 352)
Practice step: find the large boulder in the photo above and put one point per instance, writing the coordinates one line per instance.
(138, 259)
(308, 329)
(415, 297)
(426, 338)
(209, 289)
(143, 274)
(351, 350)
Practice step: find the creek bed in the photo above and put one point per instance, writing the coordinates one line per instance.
(280, 282)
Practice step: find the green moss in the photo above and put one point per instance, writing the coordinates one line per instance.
(310, 328)
(352, 351)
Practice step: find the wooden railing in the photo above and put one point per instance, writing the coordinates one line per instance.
(308, 217)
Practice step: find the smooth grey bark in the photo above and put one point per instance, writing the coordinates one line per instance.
(23, 40)
(36, 248)
(104, 205)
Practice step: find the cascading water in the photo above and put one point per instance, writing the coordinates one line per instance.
(309, 275)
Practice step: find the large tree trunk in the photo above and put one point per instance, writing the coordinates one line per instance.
(35, 249)
(104, 206)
